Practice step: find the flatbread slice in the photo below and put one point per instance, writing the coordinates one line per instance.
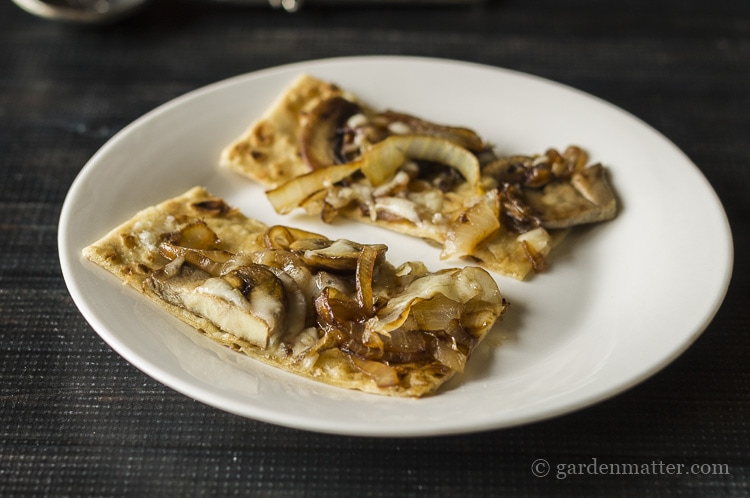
(320, 148)
(332, 311)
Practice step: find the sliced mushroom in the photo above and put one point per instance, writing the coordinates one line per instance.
(264, 292)
(320, 132)
(592, 184)
(292, 265)
(551, 190)
(587, 198)
(299, 309)
(215, 299)
(509, 169)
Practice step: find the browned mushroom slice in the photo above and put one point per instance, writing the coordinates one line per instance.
(255, 316)
(587, 198)
(592, 184)
(320, 132)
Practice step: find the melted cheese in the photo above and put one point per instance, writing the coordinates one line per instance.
(225, 306)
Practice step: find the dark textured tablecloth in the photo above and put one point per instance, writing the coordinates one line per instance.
(76, 419)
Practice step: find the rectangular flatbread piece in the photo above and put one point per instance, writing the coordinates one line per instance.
(333, 311)
(320, 148)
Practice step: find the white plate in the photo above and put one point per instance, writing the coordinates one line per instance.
(620, 301)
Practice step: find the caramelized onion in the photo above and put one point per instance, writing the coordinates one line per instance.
(303, 279)
(338, 315)
(342, 321)
(473, 226)
(459, 336)
(479, 315)
(463, 137)
(516, 211)
(337, 255)
(336, 310)
(446, 355)
(383, 375)
(405, 341)
(537, 260)
(364, 275)
(211, 262)
(281, 237)
(436, 312)
(419, 306)
(536, 245)
(381, 162)
(293, 193)
(395, 313)
(196, 235)
(278, 237)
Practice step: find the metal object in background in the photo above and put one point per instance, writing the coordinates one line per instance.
(82, 11)
(287, 5)
(108, 11)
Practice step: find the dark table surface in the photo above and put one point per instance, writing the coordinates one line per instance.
(76, 419)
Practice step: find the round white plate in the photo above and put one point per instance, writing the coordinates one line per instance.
(620, 301)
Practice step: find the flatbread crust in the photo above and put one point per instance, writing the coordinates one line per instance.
(131, 253)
